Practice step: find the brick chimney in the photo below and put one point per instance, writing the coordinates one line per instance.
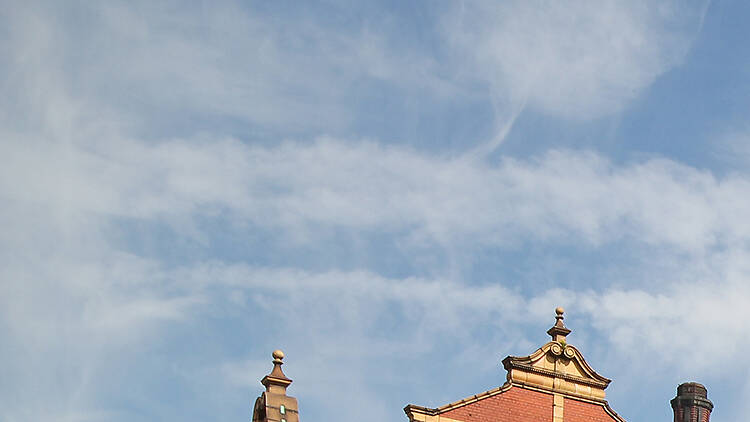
(692, 403)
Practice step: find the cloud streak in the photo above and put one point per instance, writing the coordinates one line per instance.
(104, 296)
(363, 185)
(116, 159)
(578, 60)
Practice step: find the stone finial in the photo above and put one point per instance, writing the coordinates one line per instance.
(559, 331)
(276, 381)
(278, 357)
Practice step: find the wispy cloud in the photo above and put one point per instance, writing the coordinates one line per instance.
(153, 69)
(690, 222)
(579, 60)
(117, 132)
(364, 185)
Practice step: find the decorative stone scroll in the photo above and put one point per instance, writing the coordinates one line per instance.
(557, 367)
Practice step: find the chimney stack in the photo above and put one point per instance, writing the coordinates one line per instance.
(692, 403)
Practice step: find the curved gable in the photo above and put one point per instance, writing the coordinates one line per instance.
(555, 384)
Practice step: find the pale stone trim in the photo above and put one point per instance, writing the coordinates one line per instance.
(558, 406)
(558, 367)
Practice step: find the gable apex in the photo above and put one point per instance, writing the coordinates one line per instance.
(553, 384)
(557, 367)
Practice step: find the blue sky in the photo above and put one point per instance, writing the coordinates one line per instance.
(396, 194)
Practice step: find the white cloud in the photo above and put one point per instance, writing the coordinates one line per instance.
(698, 313)
(296, 187)
(155, 69)
(690, 219)
(145, 68)
(77, 305)
(578, 59)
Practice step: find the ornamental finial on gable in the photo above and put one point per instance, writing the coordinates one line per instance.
(559, 331)
(557, 366)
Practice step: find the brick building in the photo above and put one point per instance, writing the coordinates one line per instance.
(553, 384)
(273, 404)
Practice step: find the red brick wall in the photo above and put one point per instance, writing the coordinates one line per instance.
(695, 414)
(514, 405)
(522, 405)
(580, 411)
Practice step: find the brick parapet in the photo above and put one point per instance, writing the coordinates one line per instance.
(518, 403)
(513, 405)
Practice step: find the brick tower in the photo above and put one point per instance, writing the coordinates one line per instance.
(692, 403)
(274, 405)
